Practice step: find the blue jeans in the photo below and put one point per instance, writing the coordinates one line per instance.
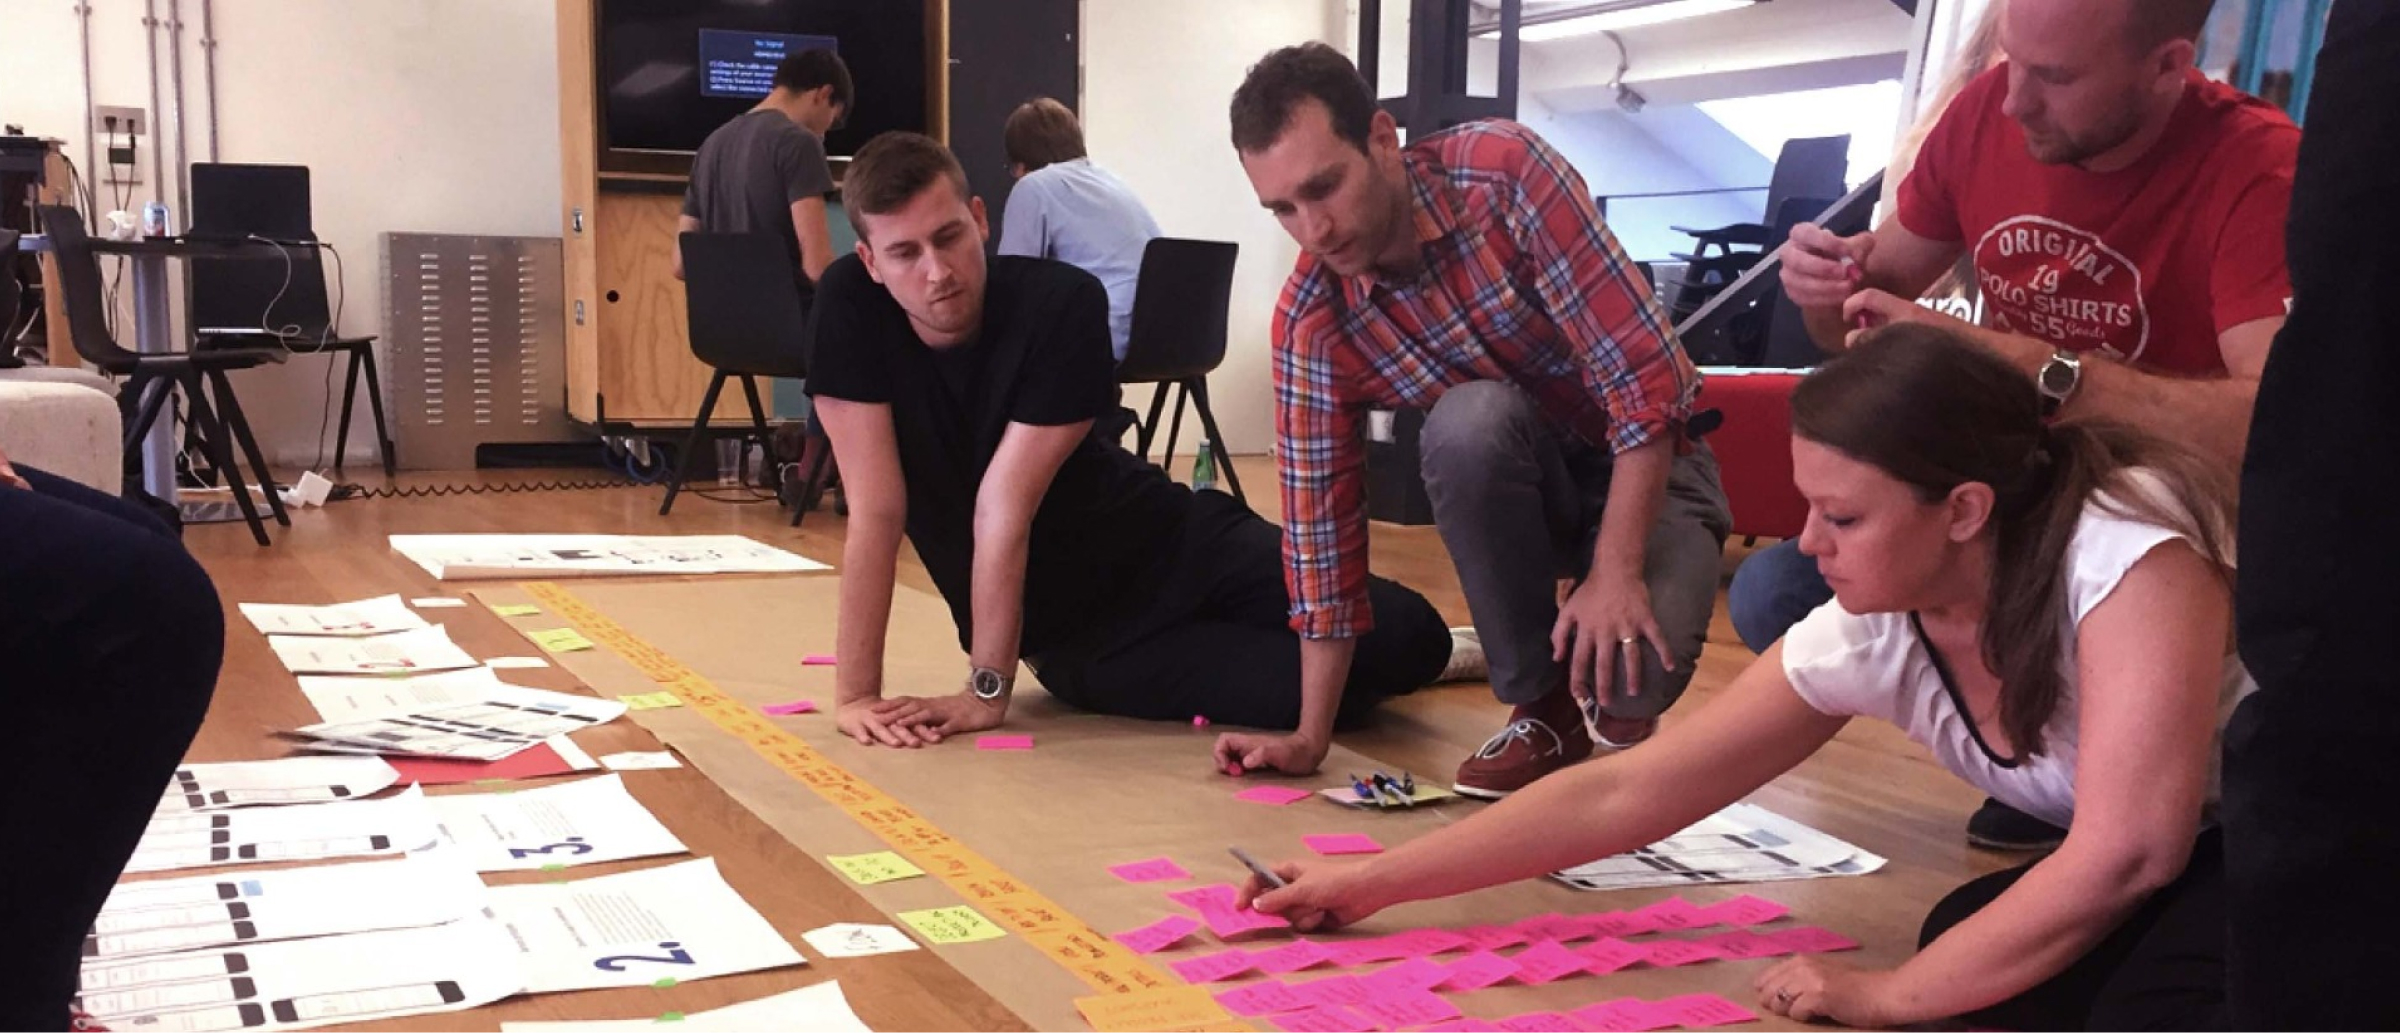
(1772, 590)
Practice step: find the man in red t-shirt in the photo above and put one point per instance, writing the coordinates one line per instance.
(2124, 216)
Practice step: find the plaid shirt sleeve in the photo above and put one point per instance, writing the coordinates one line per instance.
(1631, 360)
(1324, 480)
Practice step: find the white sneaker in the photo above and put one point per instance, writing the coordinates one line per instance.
(1467, 662)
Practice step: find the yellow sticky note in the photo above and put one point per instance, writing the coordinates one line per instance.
(869, 869)
(1174, 1007)
(651, 701)
(517, 610)
(961, 924)
(560, 640)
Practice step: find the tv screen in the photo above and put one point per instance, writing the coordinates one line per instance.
(672, 71)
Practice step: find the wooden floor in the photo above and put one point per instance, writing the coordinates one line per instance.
(1871, 786)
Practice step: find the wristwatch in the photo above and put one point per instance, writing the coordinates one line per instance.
(2058, 380)
(989, 685)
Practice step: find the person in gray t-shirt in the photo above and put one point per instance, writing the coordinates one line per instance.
(1066, 208)
(765, 171)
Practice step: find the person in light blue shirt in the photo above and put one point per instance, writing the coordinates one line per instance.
(1066, 208)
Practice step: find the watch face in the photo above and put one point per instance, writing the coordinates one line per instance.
(988, 684)
(2059, 374)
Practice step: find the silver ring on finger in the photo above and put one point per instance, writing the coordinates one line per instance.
(1784, 998)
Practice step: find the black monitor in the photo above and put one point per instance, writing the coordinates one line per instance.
(240, 201)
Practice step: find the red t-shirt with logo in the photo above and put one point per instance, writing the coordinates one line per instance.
(2147, 264)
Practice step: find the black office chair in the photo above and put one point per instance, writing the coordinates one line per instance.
(1178, 337)
(284, 295)
(12, 297)
(1806, 167)
(747, 319)
(151, 377)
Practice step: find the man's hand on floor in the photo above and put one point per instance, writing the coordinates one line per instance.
(961, 714)
(8, 475)
(1292, 753)
(887, 722)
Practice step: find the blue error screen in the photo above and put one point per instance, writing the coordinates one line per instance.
(742, 64)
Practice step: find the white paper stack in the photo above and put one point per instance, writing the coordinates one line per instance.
(452, 557)
(293, 780)
(379, 616)
(1742, 843)
(505, 721)
(588, 821)
(307, 832)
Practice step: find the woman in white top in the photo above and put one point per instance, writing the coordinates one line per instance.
(2043, 607)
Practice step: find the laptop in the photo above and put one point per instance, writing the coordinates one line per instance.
(236, 202)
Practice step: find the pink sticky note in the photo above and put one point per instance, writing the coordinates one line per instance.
(1742, 944)
(1424, 943)
(1004, 742)
(1546, 962)
(1217, 896)
(1478, 970)
(1277, 795)
(1266, 997)
(1291, 957)
(1492, 937)
(1158, 935)
(1413, 974)
(1629, 1014)
(1156, 869)
(819, 660)
(1677, 953)
(1353, 953)
(1209, 968)
(1615, 923)
(1696, 1010)
(1809, 939)
(1228, 923)
(798, 706)
(1333, 990)
(1745, 911)
(1611, 954)
(1676, 913)
(1541, 1022)
(1554, 927)
(1411, 1008)
(1329, 1018)
(1342, 843)
(1464, 1026)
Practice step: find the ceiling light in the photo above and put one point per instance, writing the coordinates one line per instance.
(1619, 16)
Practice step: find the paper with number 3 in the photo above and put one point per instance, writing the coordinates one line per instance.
(589, 821)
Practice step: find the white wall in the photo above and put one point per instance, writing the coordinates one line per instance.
(1622, 154)
(430, 116)
(1158, 75)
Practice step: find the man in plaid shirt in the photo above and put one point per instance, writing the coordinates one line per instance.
(1469, 274)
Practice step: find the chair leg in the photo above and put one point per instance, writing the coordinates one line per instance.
(213, 437)
(341, 427)
(758, 421)
(383, 436)
(812, 478)
(148, 396)
(229, 412)
(1174, 427)
(1158, 407)
(1216, 440)
(692, 442)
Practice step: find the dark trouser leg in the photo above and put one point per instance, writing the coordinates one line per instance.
(2163, 969)
(1517, 508)
(1216, 643)
(1773, 590)
(2312, 775)
(110, 637)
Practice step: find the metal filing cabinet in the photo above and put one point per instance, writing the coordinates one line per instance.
(476, 342)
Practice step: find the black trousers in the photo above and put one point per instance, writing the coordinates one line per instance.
(110, 637)
(1215, 641)
(2312, 761)
(2163, 969)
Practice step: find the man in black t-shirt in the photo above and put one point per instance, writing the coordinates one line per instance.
(765, 171)
(960, 393)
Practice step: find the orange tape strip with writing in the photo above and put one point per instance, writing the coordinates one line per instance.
(1102, 963)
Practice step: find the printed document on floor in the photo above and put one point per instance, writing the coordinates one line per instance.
(455, 557)
(1742, 843)
(167, 915)
(305, 832)
(819, 1009)
(292, 780)
(587, 821)
(677, 921)
(378, 616)
(404, 652)
(301, 984)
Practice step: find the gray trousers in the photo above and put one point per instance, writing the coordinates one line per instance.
(1518, 503)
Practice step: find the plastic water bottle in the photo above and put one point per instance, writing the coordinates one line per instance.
(1204, 468)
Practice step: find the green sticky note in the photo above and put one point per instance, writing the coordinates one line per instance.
(664, 983)
(554, 867)
(946, 925)
(560, 640)
(650, 701)
(869, 869)
(673, 1016)
(518, 610)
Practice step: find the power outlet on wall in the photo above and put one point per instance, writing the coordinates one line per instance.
(117, 129)
(128, 121)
